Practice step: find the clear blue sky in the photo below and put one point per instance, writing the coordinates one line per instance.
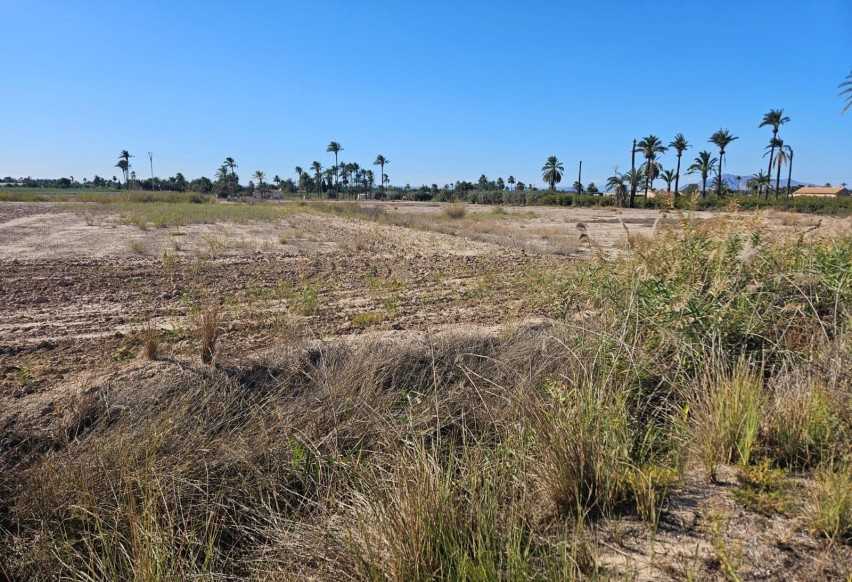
(445, 90)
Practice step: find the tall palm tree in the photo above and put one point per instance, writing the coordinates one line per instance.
(334, 147)
(317, 168)
(679, 144)
(668, 176)
(551, 171)
(649, 147)
(775, 118)
(759, 181)
(381, 161)
(847, 91)
(721, 139)
(790, 168)
(704, 164)
(369, 181)
(229, 161)
(510, 181)
(618, 186)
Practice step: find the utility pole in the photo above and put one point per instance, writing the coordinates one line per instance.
(632, 175)
(580, 178)
(151, 159)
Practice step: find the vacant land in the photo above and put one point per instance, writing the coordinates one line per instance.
(421, 391)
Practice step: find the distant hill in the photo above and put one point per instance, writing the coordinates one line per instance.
(730, 181)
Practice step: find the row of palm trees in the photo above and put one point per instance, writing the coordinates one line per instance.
(345, 173)
(704, 164)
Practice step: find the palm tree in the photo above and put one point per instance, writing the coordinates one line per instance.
(369, 181)
(721, 138)
(668, 176)
(123, 166)
(758, 181)
(510, 181)
(381, 161)
(650, 147)
(551, 172)
(634, 177)
(790, 168)
(125, 157)
(704, 164)
(334, 147)
(679, 144)
(317, 168)
(260, 177)
(617, 185)
(229, 161)
(776, 119)
(847, 91)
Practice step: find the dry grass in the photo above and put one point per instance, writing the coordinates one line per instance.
(209, 330)
(459, 456)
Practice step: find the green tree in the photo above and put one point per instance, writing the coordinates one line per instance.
(634, 178)
(649, 147)
(617, 184)
(775, 119)
(511, 181)
(299, 172)
(260, 177)
(678, 144)
(704, 164)
(668, 177)
(335, 148)
(758, 181)
(125, 167)
(551, 171)
(317, 168)
(229, 161)
(500, 184)
(721, 139)
(381, 161)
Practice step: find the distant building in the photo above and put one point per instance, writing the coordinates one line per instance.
(821, 191)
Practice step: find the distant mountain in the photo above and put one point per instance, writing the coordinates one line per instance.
(730, 180)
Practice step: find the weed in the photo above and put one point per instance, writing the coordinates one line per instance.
(366, 319)
(764, 489)
(209, 330)
(138, 247)
(830, 504)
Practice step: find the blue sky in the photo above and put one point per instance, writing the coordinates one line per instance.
(445, 90)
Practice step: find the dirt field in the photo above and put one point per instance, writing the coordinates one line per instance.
(80, 289)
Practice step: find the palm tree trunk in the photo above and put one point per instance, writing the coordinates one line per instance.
(789, 172)
(719, 181)
(677, 177)
(704, 186)
(647, 176)
(778, 177)
(771, 153)
(632, 173)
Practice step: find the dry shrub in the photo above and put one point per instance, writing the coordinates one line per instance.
(454, 210)
(150, 342)
(209, 330)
